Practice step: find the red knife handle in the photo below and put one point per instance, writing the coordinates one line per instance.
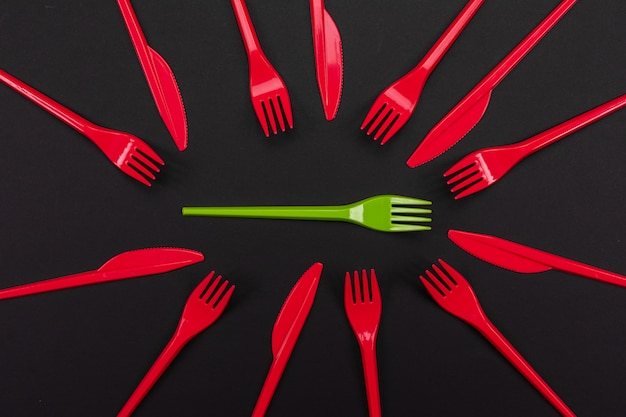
(70, 281)
(443, 44)
(557, 133)
(61, 112)
(516, 55)
(317, 20)
(517, 360)
(579, 268)
(553, 261)
(269, 386)
(317, 12)
(250, 39)
(140, 44)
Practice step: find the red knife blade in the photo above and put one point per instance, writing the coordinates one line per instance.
(328, 58)
(160, 79)
(286, 331)
(129, 264)
(470, 110)
(519, 258)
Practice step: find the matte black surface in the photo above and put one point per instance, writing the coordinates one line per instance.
(65, 208)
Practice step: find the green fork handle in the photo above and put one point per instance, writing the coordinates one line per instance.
(273, 212)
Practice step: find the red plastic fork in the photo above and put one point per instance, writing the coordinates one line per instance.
(204, 306)
(454, 294)
(394, 106)
(129, 153)
(484, 167)
(363, 308)
(267, 89)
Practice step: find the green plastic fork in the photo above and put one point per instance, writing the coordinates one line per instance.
(385, 213)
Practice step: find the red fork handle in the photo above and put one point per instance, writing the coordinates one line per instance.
(557, 133)
(160, 365)
(439, 49)
(516, 55)
(250, 39)
(370, 373)
(59, 111)
(512, 355)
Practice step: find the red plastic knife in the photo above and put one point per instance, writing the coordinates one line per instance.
(328, 58)
(286, 332)
(520, 258)
(470, 110)
(125, 265)
(160, 79)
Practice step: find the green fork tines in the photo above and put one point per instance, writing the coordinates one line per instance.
(385, 213)
(391, 213)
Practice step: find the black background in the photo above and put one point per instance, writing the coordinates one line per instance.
(66, 209)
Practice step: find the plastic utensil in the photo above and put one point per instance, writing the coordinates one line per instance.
(204, 306)
(286, 331)
(363, 308)
(160, 79)
(470, 110)
(130, 264)
(328, 58)
(454, 294)
(270, 98)
(519, 258)
(385, 213)
(129, 153)
(480, 169)
(395, 105)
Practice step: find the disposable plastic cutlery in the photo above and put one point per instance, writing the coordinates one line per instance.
(385, 213)
(454, 294)
(204, 306)
(267, 90)
(129, 153)
(160, 79)
(328, 58)
(286, 332)
(363, 308)
(470, 110)
(130, 264)
(480, 169)
(519, 258)
(394, 106)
